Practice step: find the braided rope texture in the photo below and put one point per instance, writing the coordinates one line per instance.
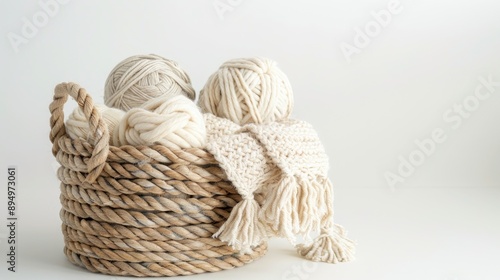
(140, 210)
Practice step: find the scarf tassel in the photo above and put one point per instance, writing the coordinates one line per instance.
(331, 246)
(243, 230)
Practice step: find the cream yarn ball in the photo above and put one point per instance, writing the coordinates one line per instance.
(248, 90)
(140, 78)
(77, 126)
(175, 122)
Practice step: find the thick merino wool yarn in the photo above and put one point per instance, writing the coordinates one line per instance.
(140, 78)
(248, 90)
(77, 126)
(175, 122)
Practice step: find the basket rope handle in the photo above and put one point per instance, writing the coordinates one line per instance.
(98, 128)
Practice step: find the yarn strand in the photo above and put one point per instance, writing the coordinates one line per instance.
(252, 90)
(140, 78)
(331, 246)
(175, 122)
(243, 230)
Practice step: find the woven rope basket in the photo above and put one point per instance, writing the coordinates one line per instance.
(139, 210)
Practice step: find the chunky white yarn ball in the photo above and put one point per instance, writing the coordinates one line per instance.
(77, 126)
(175, 122)
(252, 90)
(140, 78)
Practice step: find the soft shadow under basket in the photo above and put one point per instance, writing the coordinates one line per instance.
(139, 210)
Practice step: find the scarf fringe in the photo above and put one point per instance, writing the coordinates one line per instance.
(331, 246)
(243, 229)
(298, 205)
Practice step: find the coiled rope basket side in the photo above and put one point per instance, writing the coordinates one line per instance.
(139, 210)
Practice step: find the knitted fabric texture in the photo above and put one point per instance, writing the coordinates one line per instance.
(286, 162)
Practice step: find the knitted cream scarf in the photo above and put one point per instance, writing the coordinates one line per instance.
(286, 163)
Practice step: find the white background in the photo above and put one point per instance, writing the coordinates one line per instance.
(442, 222)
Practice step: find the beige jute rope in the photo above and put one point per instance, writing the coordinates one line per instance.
(140, 210)
(77, 125)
